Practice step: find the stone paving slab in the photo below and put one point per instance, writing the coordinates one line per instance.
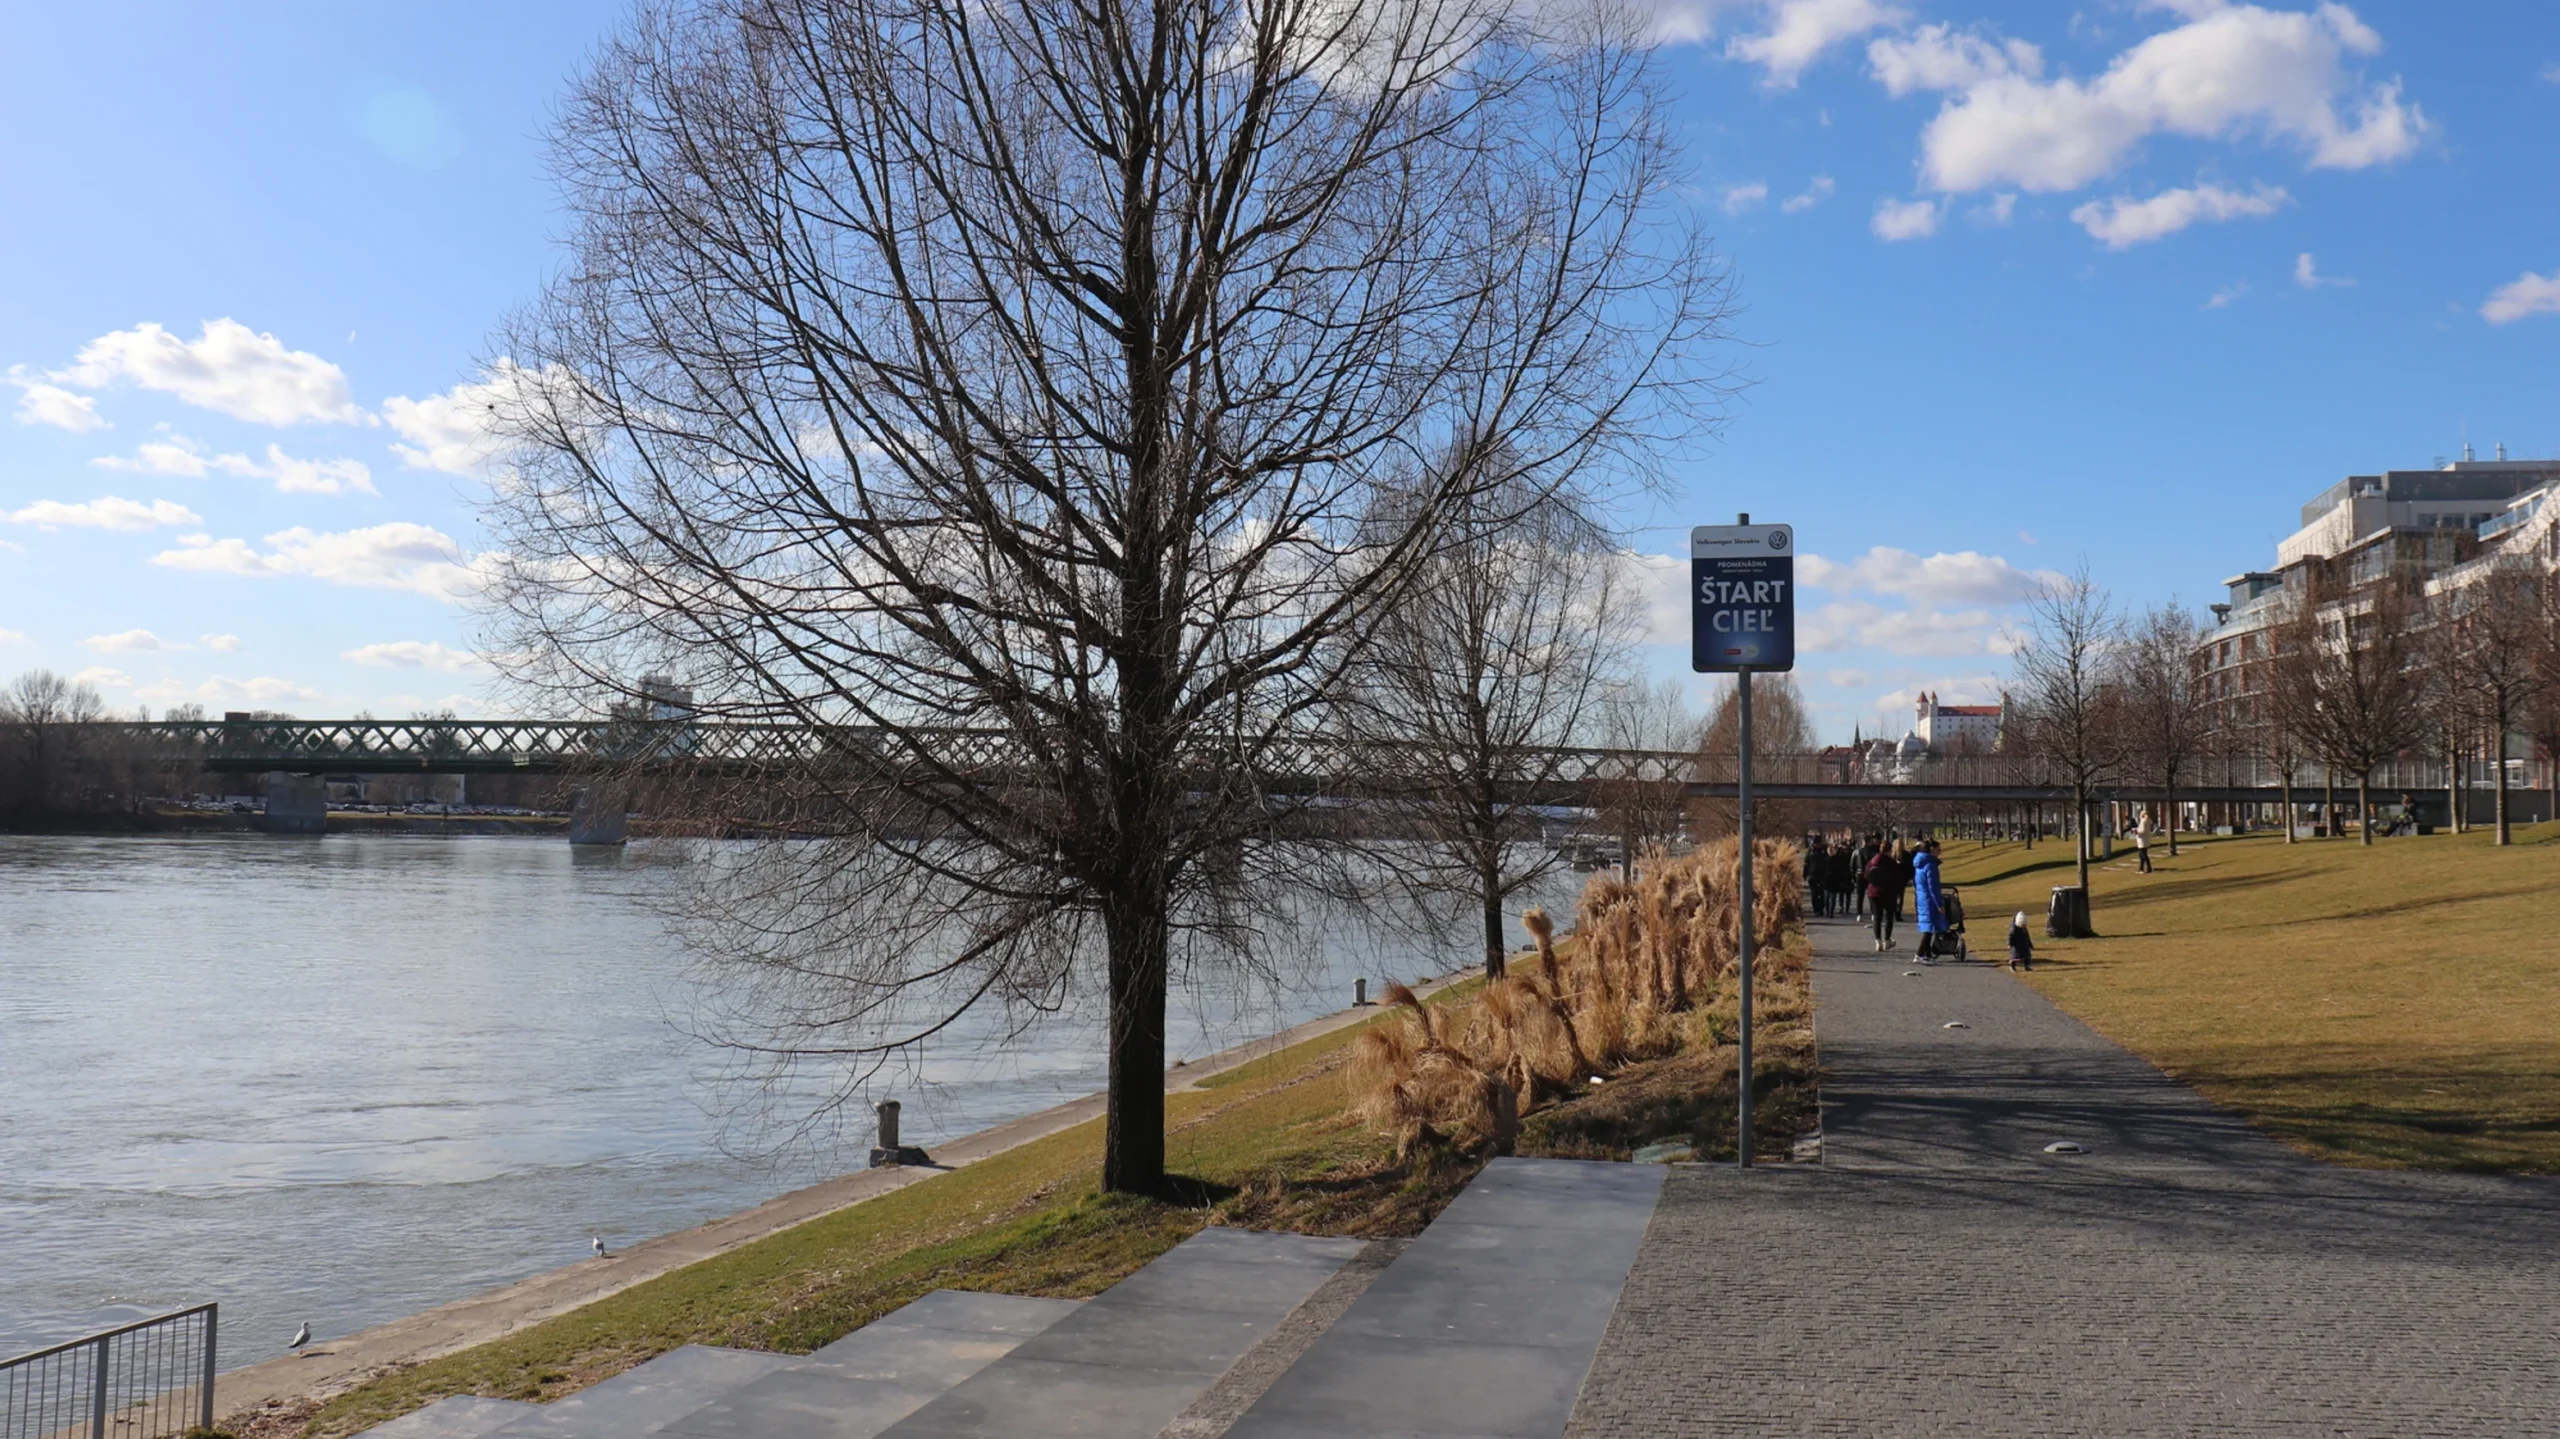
(456, 1416)
(878, 1374)
(2186, 1276)
(642, 1399)
(1129, 1361)
(1486, 1323)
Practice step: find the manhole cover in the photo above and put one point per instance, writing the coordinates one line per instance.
(2064, 1146)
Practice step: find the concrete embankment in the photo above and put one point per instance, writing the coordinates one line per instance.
(333, 1367)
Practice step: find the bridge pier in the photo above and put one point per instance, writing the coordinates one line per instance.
(599, 814)
(297, 804)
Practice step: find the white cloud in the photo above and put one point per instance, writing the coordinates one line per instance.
(2551, 72)
(1904, 219)
(2526, 294)
(182, 457)
(103, 678)
(2120, 221)
(1662, 582)
(1738, 198)
(58, 407)
(1813, 194)
(397, 556)
(415, 655)
(2223, 297)
(223, 691)
(2000, 209)
(1939, 57)
(2231, 70)
(1801, 30)
(106, 513)
(228, 368)
(1963, 577)
(129, 642)
(1915, 630)
(177, 455)
(2308, 276)
(305, 477)
(457, 432)
(13, 637)
(222, 644)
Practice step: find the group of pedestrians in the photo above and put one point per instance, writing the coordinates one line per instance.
(1874, 877)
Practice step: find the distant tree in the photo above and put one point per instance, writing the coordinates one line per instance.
(2070, 692)
(2505, 621)
(1646, 813)
(2440, 653)
(1496, 660)
(1781, 736)
(44, 720)
(2368, 701)
(2169, 722)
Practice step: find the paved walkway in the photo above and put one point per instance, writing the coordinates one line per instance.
(1939, 1273)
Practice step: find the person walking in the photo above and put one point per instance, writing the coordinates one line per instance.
(1884, 901)
(1928, 902)
(2142, 844)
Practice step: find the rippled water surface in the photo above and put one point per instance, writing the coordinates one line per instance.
(346, 1079)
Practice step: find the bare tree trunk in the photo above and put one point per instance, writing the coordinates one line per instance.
(2364, 808)
(2453, 784)
(2328, 802)
(2286, 781)
(2498, 762)
(1133, 1122)
(2080, 822)
(1496, 952)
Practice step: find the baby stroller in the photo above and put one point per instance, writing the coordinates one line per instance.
(1951, 940)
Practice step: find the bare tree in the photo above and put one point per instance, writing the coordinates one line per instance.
(2289, 697)
(2504, 618)
(1780, 731)
(1497, 659)
(2169, 722)
(2070, 693)
(2368, 695)
(1013, 384)
(2451, 709)
(43, 725)
(1645, 811)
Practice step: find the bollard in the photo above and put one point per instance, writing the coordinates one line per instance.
(1359, 994)
(889, 1151)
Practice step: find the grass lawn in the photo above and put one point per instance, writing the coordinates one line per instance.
(2395, 1006)
(1272, 1145)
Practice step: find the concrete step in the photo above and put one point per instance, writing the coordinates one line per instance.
(870, 1379)
(1485, 1325)
(456, 1416)
(1131, 1360)
(640, 1400)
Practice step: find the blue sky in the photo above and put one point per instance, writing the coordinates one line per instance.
(2023, 285)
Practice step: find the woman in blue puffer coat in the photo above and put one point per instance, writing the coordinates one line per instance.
(1929, 914)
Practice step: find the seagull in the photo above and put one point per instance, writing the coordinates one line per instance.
(301, 1336)
(598, 1241)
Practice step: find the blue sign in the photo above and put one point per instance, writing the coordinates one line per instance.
(1742, 598)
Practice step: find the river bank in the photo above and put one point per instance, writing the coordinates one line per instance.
(181, 824)
(279, 1395)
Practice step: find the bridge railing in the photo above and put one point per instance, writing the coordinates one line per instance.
(151, 1379)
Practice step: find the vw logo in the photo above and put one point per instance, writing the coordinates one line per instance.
(1777, 539)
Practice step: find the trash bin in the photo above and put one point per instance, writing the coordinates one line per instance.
(2066, 915)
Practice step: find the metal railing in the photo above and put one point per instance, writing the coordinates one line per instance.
(151, 1379)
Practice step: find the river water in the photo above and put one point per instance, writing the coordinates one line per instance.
(342, 1080)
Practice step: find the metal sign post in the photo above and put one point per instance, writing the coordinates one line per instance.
(1743, 618)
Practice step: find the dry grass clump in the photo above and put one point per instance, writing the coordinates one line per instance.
(1651, 960)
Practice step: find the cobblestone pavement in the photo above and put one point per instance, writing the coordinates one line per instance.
(1939, 1273)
